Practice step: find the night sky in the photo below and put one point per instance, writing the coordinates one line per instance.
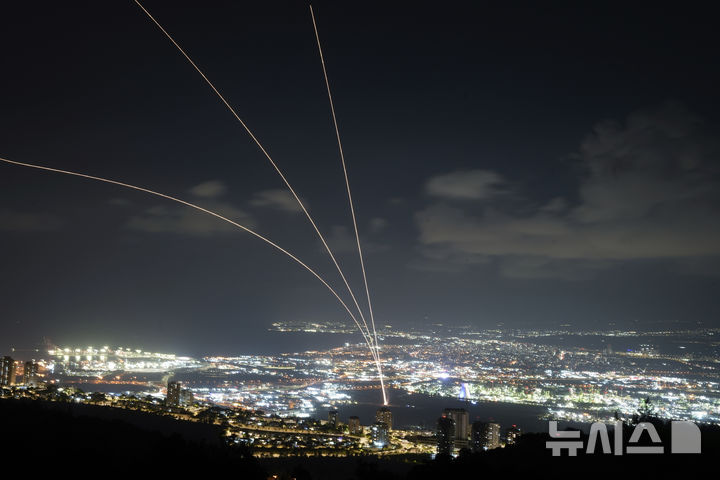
(511, 163)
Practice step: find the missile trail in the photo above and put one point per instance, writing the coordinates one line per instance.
(267, 155)
(209, 212)
(350, 200)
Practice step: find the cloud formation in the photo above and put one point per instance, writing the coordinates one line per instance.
(648, 189)
(12, 221)
(188, 221)
(342, 240)
(279, 199)
(209, 189)
(378, 224)
(465, 184)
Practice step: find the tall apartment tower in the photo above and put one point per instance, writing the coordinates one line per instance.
(492, 435)
(477, 436)
(379, 434)
(333, 418)
(462, 425)
(485, 436)
(30, 372)
(384, 415)
(7, 371)
(445, 435)
(173, 394)
(354, 426)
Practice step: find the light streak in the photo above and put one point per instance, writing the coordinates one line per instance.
(272, 162)
(350, 201)
(209, 212)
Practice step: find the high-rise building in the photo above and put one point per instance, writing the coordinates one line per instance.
(186, 397)
(512, 434)
(485, 436)
(333, 418)
(30, 372)
(354, 426)
(492, 435)
(445, 435)
(7, 371)
(379, 434)
(477, 436)
(462, 424)
(173, 394)
(384, 415)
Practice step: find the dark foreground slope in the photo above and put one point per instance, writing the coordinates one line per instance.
(530, 458)
(54, 438)
(57, 438)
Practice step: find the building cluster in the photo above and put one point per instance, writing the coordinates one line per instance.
(584, 372)
(581, 383)
(455, 432)
(269, 434)
(29, 373)
(571, 383)
(177, 395)
(380, 430)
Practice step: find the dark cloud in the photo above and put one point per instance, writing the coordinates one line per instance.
(119, 202)
(648, 189)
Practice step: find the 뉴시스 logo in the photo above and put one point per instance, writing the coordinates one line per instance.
(685, 438)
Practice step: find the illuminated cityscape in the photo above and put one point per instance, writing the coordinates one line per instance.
(349, 241)
(308, 401)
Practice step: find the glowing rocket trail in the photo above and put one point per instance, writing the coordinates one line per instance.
(350, 200)
(209, 212)
(267, 155)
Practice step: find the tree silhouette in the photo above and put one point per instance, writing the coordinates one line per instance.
(645, 411)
